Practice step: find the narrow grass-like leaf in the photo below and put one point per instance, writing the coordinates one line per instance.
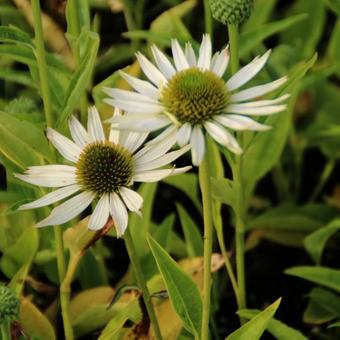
(183, 292)
(254, 328)
(14, 35)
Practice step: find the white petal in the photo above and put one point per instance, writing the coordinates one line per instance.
(163, 62)
(247, 72)
(150, 70)
(131, 106)
(157, 175)
(52, 197)
(132, 199)
(258, 91)
(48, 169)
(256, 111)
(143, 165)
(132, 140)
(221, 63)
(190, 55)
(222, 136)
(100, 214)
(120, 94)
(66, 147)
(268, 102)
(94, 125)
(78, 132)
(166, 133)
(155, 150)
(204, 57)
(141, 86)
(197, 145)
(118, 213)
(180, 61)
(240, 123)
(141, 122)
(68, 210)
(183, 134)
(114, 132)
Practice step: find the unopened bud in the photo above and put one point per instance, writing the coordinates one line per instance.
(232, 12)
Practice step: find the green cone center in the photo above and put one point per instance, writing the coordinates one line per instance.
(195, 96)
(104, 167)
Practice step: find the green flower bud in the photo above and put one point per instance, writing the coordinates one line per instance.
(9, 305)
(232, 12)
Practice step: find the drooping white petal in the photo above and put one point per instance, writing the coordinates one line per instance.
(132, 140)
(247, 72)
(118, 213)
(78, 132)
(154, 150)
(183, 134)
(140, 122)
(160, 161)
(163, 62)
(52, 197)
(68, 210)
(150, 70)
(257, 91)
(240, 123)
(51, 169)
(157, 175)
(100, 214)
(268, 102)
(221, 63)
(256, 111)
(180, 61)
(166, 133)
(132, 199)
(205, 52)
(114, 132)
(141, 86)
(94, 125)
(120, 94)
(190, 55)
(48, 182)
(222, 136)
(131, 106)
(197, 143)
(65, 147)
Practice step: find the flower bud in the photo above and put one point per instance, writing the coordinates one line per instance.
(232, 12)
(9, 305)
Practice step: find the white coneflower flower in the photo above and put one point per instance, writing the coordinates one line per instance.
(192, 96)
(103, 169)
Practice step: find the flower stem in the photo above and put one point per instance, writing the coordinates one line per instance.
(41, 60)
(44, 85)
(233, 42)
(204, 180)
(207, 18)
(141, 282)
(6, 331)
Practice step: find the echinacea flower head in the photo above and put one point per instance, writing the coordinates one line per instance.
(191, 95)
(103, 170)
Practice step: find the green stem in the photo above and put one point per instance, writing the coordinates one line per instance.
(41, 60)
(233, 42)
(141, 282)
(6, 331)
(42, 66)
(207, 18)
(204, 179)
(327, 170)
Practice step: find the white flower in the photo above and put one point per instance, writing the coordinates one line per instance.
(192, 96)
(103, 169)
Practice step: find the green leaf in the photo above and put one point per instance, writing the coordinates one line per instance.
(193, 237)
(326, 299)
(321, 275)
(334, 5)
(15, 76)
(81, 78)
(183, 292)
(254, 328)
(252, 38)
(223, 191)
(77, 17)
(277, 328)
(14, 35)
(163, 232)
(315, 242)
(333, 325)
